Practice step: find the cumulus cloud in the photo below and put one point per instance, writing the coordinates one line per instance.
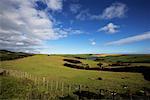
(109, 28)
(54, 4)
(74, 8)
(136, 38)
(23, 26)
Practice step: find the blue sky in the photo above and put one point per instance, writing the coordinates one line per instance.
(75, 26)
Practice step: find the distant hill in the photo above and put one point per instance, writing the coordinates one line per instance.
(104, 55)
(9, 55)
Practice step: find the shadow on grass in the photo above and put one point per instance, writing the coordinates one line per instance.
(73, 61)
(141, 69)
(73, 66)
(68, 97)
(88, 95)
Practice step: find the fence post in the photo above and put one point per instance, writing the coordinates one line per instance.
(51, 85)
(35, 81)
(62, 89)
(47, 85)
(69, 88)
(25, 74)
(100, 91)
(147, 96)
(22, 74)
(130, 96)
(7, 72)
(113, 95)
(29, 76)
(43, 81)
(19, 74)
(56, 85)
(80, 92)
(10, 73)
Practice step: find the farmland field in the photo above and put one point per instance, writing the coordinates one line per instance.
(74, 50)
(52, 68)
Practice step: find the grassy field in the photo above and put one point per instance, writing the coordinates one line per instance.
(52, 67)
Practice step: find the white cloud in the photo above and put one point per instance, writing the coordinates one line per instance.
(136, 38)
(74, 8)
(116, 10)
(54, 4)
(23, 27)
(109, 28)
(93, 43)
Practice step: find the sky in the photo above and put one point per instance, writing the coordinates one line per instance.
(75, 26)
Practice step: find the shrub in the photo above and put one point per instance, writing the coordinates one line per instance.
(99, 78)
(73, 61)
(86, 66)
(100, 64)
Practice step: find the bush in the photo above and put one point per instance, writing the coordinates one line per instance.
(73, 61)
(99, 78)
(86, 66)
(100, 64)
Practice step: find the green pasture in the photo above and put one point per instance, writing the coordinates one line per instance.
(52, 68)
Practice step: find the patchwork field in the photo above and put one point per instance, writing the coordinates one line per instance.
(53, 69)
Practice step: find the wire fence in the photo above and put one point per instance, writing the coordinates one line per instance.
(53, 90)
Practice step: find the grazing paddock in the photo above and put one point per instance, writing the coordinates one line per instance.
(33, 87)
(52, 69)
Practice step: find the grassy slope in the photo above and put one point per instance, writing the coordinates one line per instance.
(52, 67)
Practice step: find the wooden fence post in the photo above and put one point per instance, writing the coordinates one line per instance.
(35, 81)
(43, 81)
(38, 83)
(62, 89)
(22, 74)
(29, 76)
(25, 74)
(80, 92)
(113, 95)
(69, 88)
(19, 74)
(47, 85)
(6, 73)
(51, 85)
(9, 72)
(100, 91)
(130, 96)
(56, 85)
